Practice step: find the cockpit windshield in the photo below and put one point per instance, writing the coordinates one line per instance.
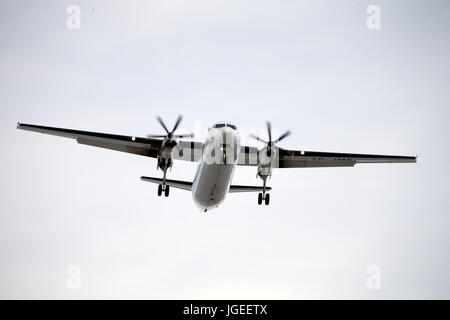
(222, 125)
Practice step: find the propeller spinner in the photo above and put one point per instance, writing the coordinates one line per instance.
(270, 144)
(170, 136)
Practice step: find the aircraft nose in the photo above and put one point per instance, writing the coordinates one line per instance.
(229, 135)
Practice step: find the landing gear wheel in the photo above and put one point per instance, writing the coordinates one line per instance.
(166, 191)
(267, 199)
(259, 198)
(159, 190)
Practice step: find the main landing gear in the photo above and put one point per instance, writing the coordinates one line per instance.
(262, 197)
(164, 164)
(163, 188)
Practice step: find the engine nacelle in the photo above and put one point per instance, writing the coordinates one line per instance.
(164, 163)
(264, 171)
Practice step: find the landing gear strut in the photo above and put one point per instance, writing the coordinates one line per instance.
(263, 196)
(164, 164)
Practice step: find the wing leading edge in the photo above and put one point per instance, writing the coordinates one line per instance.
(148, 147)
(130, 144)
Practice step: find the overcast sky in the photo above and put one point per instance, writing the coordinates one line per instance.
(310, 66)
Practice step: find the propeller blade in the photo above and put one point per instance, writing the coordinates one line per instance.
(155, 136)
(257, 138)
(162, 123)
(181, 136)
(269, 130)
(287, 133)
(177, 123)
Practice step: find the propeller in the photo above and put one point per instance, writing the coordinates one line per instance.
(170, 135)
(270, 144)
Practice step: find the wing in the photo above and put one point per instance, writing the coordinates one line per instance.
(147, 147)
(250, 156)
(311, 159)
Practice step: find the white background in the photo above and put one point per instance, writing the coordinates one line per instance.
(312, 67)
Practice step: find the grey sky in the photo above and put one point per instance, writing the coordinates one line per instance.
(309, 66)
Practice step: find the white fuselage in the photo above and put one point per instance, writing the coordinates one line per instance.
(214, 173)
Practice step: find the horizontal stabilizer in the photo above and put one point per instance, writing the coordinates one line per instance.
(236, 189)
(186, 185)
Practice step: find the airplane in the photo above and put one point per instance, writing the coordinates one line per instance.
(218, 156)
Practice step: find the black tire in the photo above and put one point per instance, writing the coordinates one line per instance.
(267, 200)
(259, 198)
(159, 190)
(166, 191)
